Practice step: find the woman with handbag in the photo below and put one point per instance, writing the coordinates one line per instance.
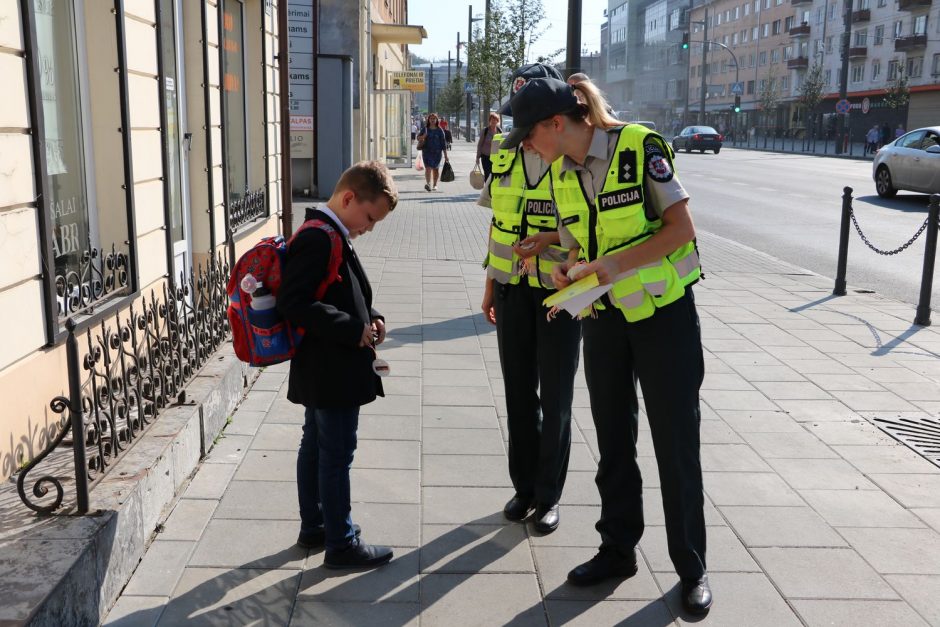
(485, 144)
(433, 145)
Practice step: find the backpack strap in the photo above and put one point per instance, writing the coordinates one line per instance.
(336, 252)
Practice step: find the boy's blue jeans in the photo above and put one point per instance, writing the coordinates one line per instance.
(323, 462)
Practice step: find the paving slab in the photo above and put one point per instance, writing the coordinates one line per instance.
(136, 611)
(188, 519)
(396, 581)
(554, 563)
(346, 613)
(922, 592)
(267, 544)
(859, 508)
(749, 488)
(739, 599)
(510, 599)
(899, 551)
(620, 613)
(466, 470)
(815, 474)
(919, 490)
(853, 613)
(442, 441)
(829, 573)
(780, 527)
(472, 549)
(793, 445)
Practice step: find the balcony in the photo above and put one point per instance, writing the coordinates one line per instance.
(858, 52)
(797, 3)
(800, 31)
(862, 15)
(798, 63)
(912, 5)
(911, 42)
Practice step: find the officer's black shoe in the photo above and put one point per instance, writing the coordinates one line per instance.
(315, 539)
(547, 518)
(357, 555)
(696, 595)
(607, 564)
(517, 508)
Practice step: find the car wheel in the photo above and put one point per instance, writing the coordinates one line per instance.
(675, 147)
(883, 183)
(688, 148)
(717, 150)
(701, 150)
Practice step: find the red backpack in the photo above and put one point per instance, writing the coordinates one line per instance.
(263, 337)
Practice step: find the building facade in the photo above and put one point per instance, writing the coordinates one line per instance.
(139, 140)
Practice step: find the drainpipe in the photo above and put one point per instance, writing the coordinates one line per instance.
(284, 102)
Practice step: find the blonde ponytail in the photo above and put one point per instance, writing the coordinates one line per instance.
(598, 110)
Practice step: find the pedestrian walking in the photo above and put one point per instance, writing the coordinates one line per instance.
(885, 134)
(871, 139)
(432, 142)
(624, 213)
(448, 137)
(485, 144)
(334, 370)
(538, 357)
(899, 131)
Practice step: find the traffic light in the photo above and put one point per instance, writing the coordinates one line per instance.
(685, 41)
(737, 104)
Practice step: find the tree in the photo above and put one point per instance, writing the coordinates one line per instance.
(811, 93)
(501, 47)
(898, 93)
(451, 98)
(768, 98)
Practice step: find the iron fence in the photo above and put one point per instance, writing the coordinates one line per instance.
(123, 369)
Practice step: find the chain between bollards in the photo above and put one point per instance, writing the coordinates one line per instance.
(930, 255)
(839, 289)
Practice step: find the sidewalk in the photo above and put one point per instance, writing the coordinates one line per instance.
(815, 516)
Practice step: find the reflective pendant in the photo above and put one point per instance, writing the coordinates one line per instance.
(380, 367)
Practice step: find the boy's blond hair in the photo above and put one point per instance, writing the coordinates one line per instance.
(369, 180)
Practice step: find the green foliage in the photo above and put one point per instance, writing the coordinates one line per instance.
(451, 98)
(501, 46)
(769, 97)
(811, 90)
(898, 93)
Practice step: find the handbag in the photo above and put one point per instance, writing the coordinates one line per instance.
(476, 177)
(447, 173)
(419, 163)
(421, 138)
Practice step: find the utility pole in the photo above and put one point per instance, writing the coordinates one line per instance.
(448, 67)
(844, 75)
(704, 72)
(573, 60)
(469, 39)
(431, 89)
(485, 107)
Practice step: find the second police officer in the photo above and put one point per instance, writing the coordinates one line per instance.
(538, 358)
(624, 213)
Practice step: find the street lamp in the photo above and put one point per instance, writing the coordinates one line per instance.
(470, 21)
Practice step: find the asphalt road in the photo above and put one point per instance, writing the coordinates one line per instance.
(789, 206)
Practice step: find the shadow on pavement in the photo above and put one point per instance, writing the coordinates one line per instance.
(908, 203)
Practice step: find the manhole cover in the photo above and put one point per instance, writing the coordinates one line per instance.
(921, 434)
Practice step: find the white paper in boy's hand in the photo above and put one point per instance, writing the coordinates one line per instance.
(578, 296)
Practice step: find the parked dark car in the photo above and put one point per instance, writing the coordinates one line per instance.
(910, 162)
(699, 138)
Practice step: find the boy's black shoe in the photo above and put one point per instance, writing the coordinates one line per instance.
(315, 539)
(696, 595)
(427, 187)
(357, 555)
(547, 518)
(607, 564)
(517, 508)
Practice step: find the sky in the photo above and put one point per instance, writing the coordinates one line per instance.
(443, 19)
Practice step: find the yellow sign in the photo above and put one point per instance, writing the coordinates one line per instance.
(410, 79)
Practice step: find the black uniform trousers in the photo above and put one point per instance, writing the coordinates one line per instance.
(665, 353)
(539, 359)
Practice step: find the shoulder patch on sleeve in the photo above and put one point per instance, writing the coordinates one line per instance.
(658, 166)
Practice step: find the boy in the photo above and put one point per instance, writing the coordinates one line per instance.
(332, 374)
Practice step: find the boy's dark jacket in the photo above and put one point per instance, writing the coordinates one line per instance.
(330, 370)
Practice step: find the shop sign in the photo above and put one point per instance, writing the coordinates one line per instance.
(408, 79)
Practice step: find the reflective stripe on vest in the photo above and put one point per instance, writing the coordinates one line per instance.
(616, 220)
(514, 205)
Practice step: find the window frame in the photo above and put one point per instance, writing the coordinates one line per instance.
(56, 326)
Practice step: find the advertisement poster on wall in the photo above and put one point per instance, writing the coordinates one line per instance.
(300, 42)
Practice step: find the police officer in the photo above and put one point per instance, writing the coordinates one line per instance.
(624, 213)
(539, 359)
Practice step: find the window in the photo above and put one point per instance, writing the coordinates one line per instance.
(778, 2)
(762, 58)
(912, 140)
(766, 4)
(734, 39)
(915, 66)
(743, 36)
(754, 33)
(788, 23)
(776, 27)
(820, 12)
(882, 3)
(936, 65)
(756, 6)
(234, 127)
(920, 25)
(832, 11)
(718, 19)
(875, 70)
(898, 29)
(863, 4)
(788, 53)
(735, 14)
(750, 88)
(829, 44)
(747, 9)
(765, 30)
(775, 55)
(784, 83)
(827, 77)
(879, 35)
(858, 73)
(861, 38)
(728, 15)
(893, 67)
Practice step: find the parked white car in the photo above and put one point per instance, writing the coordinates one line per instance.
(910, 162)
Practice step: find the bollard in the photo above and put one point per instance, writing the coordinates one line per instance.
(930, 255)
(839, 289)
